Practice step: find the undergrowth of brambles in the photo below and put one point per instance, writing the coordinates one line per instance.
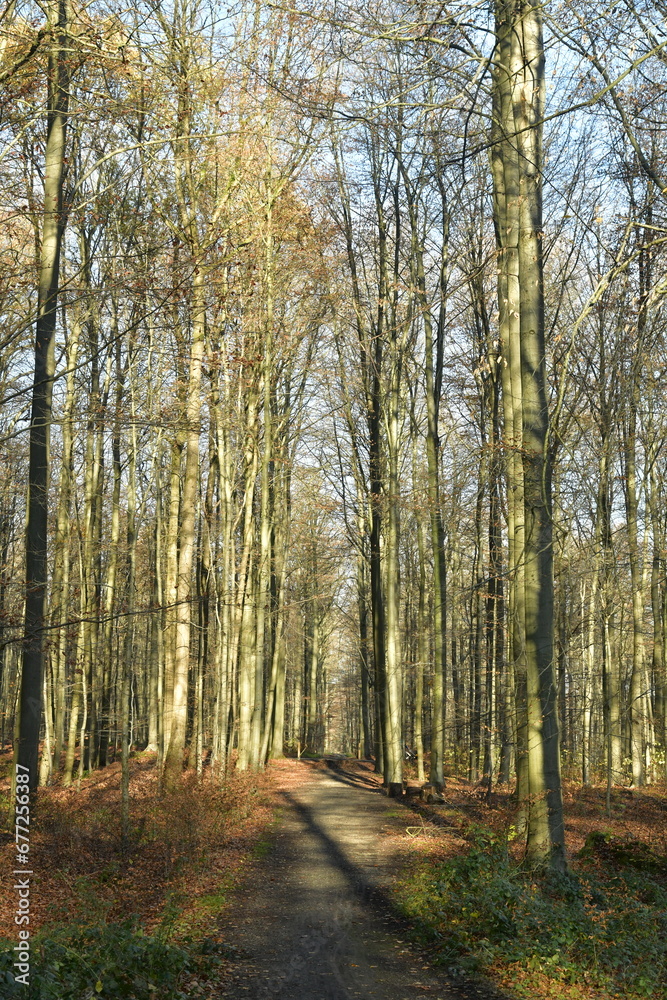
(598, 931)
(74, 961)
(140, 920)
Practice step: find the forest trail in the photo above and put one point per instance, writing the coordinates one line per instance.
(314, 921)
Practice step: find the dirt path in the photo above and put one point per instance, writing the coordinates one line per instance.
(314, 921)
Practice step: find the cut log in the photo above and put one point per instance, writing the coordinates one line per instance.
(429, 793)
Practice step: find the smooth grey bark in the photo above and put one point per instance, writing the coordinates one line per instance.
(657, 598)
(433, 371)
(30, 706)
(245, 627)
(636, 714)
(370, 346)
(176, 746)
(107, 652)
(519, 107)
(422, 615)
(188, 205)
(126, 667)
(505, 174)
(61, 558)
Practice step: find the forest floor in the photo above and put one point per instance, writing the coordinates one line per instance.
(318, 919)
(307, 883)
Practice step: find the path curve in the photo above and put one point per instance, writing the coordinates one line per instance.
(314, 922)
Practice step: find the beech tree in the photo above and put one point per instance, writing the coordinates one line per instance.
(32, 667)
(517, 161)
(346, 422)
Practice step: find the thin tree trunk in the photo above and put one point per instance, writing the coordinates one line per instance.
(112, 566)
(636, 714)
(657, 603)
(126, 667)
(433, 368)
(61, 563)
(176, 747)
(245, 629)
(187, 200)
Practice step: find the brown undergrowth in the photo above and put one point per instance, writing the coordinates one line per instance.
(636, 814)
(183, 844)
(190, 848)
(140, 919)
(598, 933)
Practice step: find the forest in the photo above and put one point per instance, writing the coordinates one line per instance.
(332, 429)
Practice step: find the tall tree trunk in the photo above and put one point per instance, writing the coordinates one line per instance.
(126, 667)
(505, 172)
(188, 205)
(391, 325)
(30, 709)
(422, 624)
(433, 368)
(657, 602)
(174, 751)
(371, 362)
(520, 70)
(61, 561)
(170, 585)
(266, 513)
(245, 624)
(365, 662)
(636, 713)
(281, 504)
(107, 652)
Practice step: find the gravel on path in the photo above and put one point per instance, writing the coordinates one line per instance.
(314, 921)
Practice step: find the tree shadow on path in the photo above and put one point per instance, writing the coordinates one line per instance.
(315, 920)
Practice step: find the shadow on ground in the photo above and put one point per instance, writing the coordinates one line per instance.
(316, 919)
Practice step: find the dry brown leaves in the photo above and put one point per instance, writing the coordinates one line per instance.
(186, 845)
(183, 845)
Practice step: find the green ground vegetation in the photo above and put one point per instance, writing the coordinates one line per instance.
(602, 927)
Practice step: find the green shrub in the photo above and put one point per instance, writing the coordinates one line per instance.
(109, 961)
(607, 927)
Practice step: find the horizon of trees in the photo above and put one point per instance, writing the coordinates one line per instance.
(332, 375)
